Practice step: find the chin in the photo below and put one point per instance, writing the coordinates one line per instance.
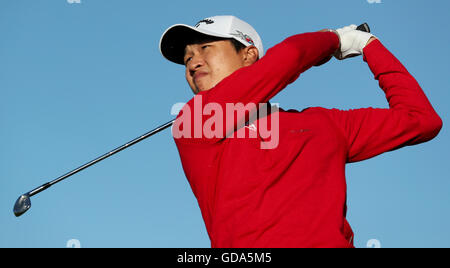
(198, 90)
(201, 87)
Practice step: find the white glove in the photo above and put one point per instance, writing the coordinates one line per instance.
(352, 42)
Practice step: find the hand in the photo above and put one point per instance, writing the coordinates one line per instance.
(352, 42)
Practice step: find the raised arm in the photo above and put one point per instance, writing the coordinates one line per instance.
(409, 120)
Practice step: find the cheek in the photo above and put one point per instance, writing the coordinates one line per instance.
(190, 81)
(186, 75)
(224, 68)
(221, 66)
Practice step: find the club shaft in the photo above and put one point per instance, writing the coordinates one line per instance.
(118, 149)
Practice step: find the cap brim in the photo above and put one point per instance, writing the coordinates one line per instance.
(174, 40)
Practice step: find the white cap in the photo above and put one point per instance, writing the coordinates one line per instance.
(175, 38)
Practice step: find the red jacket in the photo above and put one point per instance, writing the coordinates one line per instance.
(295, 194)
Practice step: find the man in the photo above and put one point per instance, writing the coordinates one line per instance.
(294, 193)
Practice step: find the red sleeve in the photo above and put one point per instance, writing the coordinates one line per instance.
(409, 120)
(261, 81)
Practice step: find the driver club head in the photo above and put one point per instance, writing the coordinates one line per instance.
(22, 204)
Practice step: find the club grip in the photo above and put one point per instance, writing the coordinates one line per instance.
(364, 27)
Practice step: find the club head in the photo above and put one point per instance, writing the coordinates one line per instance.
(364, 27)
(22, 204)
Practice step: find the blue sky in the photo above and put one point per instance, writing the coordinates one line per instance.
(77, 80)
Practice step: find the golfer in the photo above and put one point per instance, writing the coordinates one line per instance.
(292, 194)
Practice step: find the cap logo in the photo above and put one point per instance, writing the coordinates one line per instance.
(244, 37)
(207, 21)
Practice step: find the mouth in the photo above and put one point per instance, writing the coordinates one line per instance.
(199, 75)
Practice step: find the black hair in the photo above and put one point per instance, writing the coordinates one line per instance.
(237, 45)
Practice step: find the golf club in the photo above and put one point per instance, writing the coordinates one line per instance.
(23, 203)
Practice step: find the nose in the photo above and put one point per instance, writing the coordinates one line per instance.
(195, 63)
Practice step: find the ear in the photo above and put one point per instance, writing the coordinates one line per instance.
(250, 55)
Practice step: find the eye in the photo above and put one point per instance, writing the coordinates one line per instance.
(187, 60)
(205, 46)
